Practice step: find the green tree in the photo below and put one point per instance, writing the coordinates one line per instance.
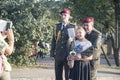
(32, 22)
(104, 12)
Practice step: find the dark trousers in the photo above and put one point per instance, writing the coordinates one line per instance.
(59, 66)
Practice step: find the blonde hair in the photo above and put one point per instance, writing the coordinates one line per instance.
(80, 27)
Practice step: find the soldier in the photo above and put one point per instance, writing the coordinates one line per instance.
(94, 36)
(59, 48)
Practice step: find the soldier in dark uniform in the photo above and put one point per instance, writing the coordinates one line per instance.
(94, 36)
(59, 47)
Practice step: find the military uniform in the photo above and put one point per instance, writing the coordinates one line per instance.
(95, 38)
(59, 50)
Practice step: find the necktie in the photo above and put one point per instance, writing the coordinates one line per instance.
(63, 27)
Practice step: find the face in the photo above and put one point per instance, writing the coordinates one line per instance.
(88, 26)
(80, 33)
(65, 17)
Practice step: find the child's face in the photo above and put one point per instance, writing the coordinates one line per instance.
(80, 33)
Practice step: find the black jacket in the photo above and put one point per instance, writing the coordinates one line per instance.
(59, 48)
(95, 38)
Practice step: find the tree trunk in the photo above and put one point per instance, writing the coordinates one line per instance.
(109, 47)
(116, 42)
(116, 56)
(116, 52)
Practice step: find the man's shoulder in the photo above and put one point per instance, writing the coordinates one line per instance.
(58, 24)
(97, 32)
(71, 25)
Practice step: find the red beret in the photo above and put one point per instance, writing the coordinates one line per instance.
(87, 20)
(67, 11)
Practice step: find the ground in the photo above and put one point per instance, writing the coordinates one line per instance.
(46, 71)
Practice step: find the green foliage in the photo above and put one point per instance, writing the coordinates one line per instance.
(31, 22)
(102, 10)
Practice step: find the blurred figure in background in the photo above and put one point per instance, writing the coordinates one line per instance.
(41, 45)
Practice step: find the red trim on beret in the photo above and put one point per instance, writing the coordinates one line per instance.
(87, 20)
(67, 11)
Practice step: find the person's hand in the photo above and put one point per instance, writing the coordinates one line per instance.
(10, 35)
(70, 57)
(78, 57)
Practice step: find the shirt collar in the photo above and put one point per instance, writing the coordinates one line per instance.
(64, 24)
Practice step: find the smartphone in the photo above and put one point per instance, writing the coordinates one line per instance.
(5, 25)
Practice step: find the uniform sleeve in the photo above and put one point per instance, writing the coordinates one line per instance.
(97, 43)
(53, 44)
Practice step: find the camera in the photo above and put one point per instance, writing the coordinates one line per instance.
(5, 25)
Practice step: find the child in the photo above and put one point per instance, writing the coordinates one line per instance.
(82, 68)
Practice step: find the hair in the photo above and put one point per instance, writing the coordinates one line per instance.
(80, 27)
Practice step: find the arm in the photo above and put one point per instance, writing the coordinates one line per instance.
(87, 58)
(10, 36)
(79, 57)
(97, 45)
(53, 45)
(97, 41)
(88, 52)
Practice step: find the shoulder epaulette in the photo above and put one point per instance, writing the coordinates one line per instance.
(98, 31)
(72, 24)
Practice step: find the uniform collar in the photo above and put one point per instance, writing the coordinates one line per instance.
(64, 24)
